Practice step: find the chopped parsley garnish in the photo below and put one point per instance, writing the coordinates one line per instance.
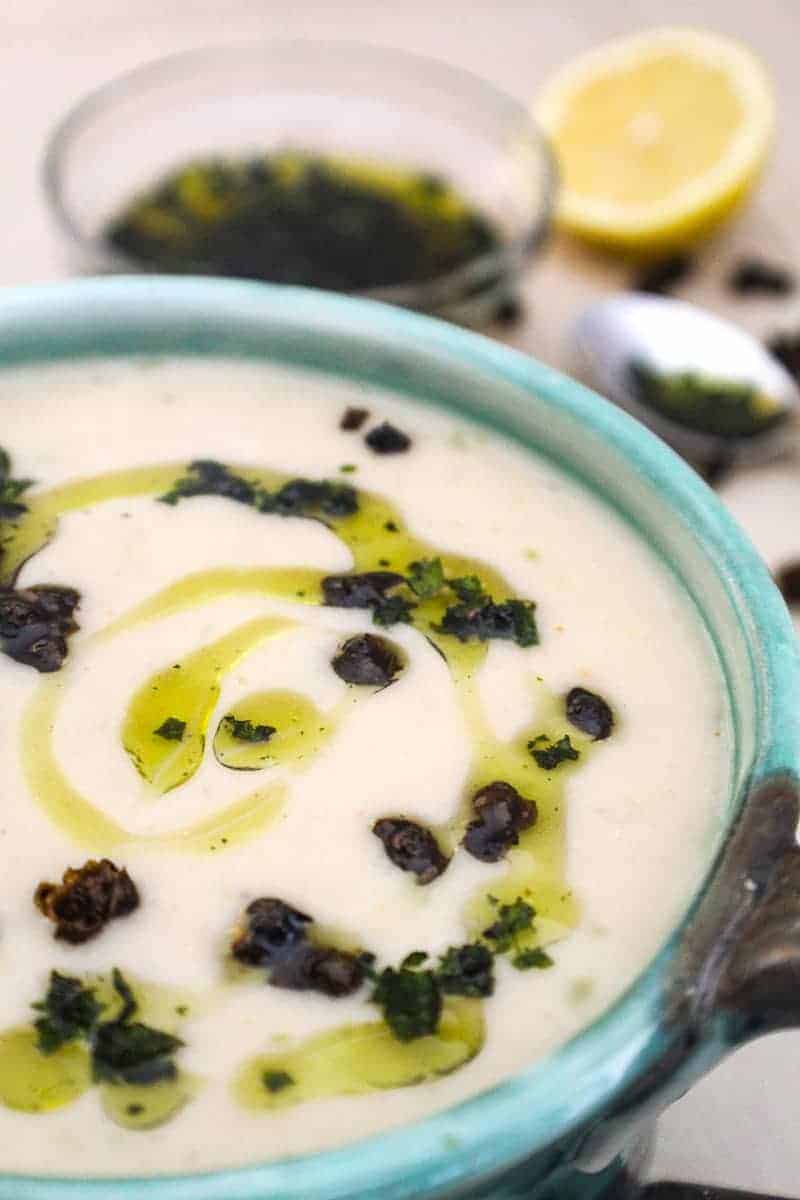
(482, 619)
(246, 731)
(208, 478)
(122, 1050)
(475, 616)
(391, 610)
(426, 577)
(69, 1011)
(131, 1052)
(310, 498)
(125, 993)
(11, 490)
(534, 957)
(411, 1001)
(297, 498)
(369, 589)
(276, 1081)
(467, 971)
(415, 959)
(126, 1051)
(512, 920)
(549, 754)
(468, 588)
(172, 730)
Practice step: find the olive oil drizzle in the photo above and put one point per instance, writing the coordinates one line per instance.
(82, 821)
(351, 1059)
(297, 584)
(186, 691)
(536, 868)
(33, 1082)
(377, 538)
(300, 731)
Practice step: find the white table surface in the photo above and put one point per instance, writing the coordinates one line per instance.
(738, 1127)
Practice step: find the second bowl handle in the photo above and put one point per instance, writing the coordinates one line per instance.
(756, 983)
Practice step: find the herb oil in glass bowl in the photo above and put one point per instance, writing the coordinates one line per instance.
(345, 167)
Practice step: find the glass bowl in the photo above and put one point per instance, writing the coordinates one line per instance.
(336, 99)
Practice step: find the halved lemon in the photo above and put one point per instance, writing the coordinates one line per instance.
(659, 136)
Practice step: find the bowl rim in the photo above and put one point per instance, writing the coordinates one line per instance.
(501, 1126)
(430, 295)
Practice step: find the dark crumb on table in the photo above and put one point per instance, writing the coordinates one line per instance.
(716, 471)
(788, 580)
(501, 814)
(353, 419)
(387, 439)
(661, 276)
(87, 899)
(411, 847)
(786, 348)
(509, 311)
(752, 275)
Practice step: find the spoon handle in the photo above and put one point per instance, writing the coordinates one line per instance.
(698, 1191)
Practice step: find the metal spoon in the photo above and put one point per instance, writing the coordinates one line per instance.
(704, 385)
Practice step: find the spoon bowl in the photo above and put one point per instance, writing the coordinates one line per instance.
(702, 384)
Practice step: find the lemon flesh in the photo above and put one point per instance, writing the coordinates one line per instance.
(658, 137)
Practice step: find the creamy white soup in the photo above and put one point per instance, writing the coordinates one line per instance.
(352, 760)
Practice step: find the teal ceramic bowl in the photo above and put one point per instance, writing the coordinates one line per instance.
(731, 969)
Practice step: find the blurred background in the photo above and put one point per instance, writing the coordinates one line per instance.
(738, 1127)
